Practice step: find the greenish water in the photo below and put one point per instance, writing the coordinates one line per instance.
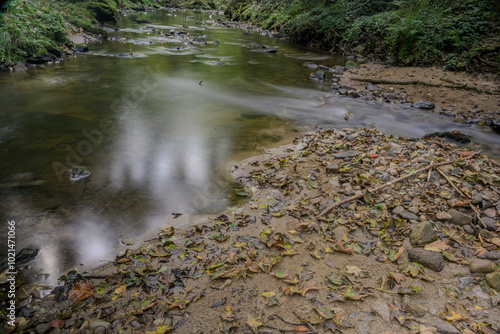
(158, 130)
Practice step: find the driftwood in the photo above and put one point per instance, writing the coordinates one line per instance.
(424, 83)
(404, 177)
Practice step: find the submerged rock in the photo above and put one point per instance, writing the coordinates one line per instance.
(78, 173)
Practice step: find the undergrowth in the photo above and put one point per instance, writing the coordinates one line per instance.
(38, 28)
(455, 33)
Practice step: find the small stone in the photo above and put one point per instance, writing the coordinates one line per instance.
(490, 224)
(424, 105)
(370, 87)
(459, 218)
(492, 255)
(465, 282)
(302, 146)
(428, 259)
(99, 330)
(482, 266)
(423, 234)
(348, 154)
(469, 229)
(493, 280)
(408, 215)
(332, 168)
(443, 216)
(490, 212)
(42, 328)
(99, 323)
(397, 210)
(319, 75)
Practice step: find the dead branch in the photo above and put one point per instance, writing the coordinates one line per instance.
(404, 177)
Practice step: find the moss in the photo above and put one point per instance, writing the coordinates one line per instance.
(406, 32)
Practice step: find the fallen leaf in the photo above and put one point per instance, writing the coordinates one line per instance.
(437, 246)
(81, 291)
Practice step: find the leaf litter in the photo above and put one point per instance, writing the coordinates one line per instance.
(322, 246)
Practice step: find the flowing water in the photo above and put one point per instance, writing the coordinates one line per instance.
(157, 128)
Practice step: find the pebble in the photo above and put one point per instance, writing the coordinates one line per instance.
(443, 216)
(490, 224)
(465, 282)
(348, 154)
(408, 215)
(459, 218)
(428, 259)
(42, 328)
(332, 168)
(397, 210)
(423, 234)
(493, 280)
(482, 266)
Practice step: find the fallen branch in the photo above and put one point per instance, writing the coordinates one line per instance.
(404, 177)
(478, 213)
(424, 83)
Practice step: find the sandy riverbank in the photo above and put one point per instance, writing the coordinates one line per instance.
(374, 264)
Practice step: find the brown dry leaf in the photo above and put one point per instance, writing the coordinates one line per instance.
(300, 329)
(254, 321)
(437, 246)
(353, 270)
(496, 242)
(427, 330)
(81, 291)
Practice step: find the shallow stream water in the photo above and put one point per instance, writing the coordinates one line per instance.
(157, 127)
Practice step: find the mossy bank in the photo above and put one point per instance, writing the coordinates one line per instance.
(460, 35)
(39, 29)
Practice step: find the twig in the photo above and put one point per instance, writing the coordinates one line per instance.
(478, 213)
(349, 199)
(430, 171)
(404, 177)
(288, 322)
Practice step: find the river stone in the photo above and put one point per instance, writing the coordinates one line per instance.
(351, 64)
(408, 215)
(332, 168)
(431, 260)
(348, 154)
(465, 282)
(490, 224)
(482, 266)
(493, 280)
(99, 323)
(42, 328)
(422, 234)
(424, 105)
(320, 75)
(443, 216)
(492, 255)
(459, 218)
(397, 210)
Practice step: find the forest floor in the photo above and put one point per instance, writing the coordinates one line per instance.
(411, 246)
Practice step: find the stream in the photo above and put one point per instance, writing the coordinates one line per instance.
(138, 133)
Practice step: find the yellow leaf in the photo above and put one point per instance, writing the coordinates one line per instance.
(268, 294)
(453, 317)
(119, 290)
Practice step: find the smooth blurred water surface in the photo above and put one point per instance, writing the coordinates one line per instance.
(157, 129)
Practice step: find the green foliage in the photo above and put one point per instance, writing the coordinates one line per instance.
(39, 27)
(407, 32)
